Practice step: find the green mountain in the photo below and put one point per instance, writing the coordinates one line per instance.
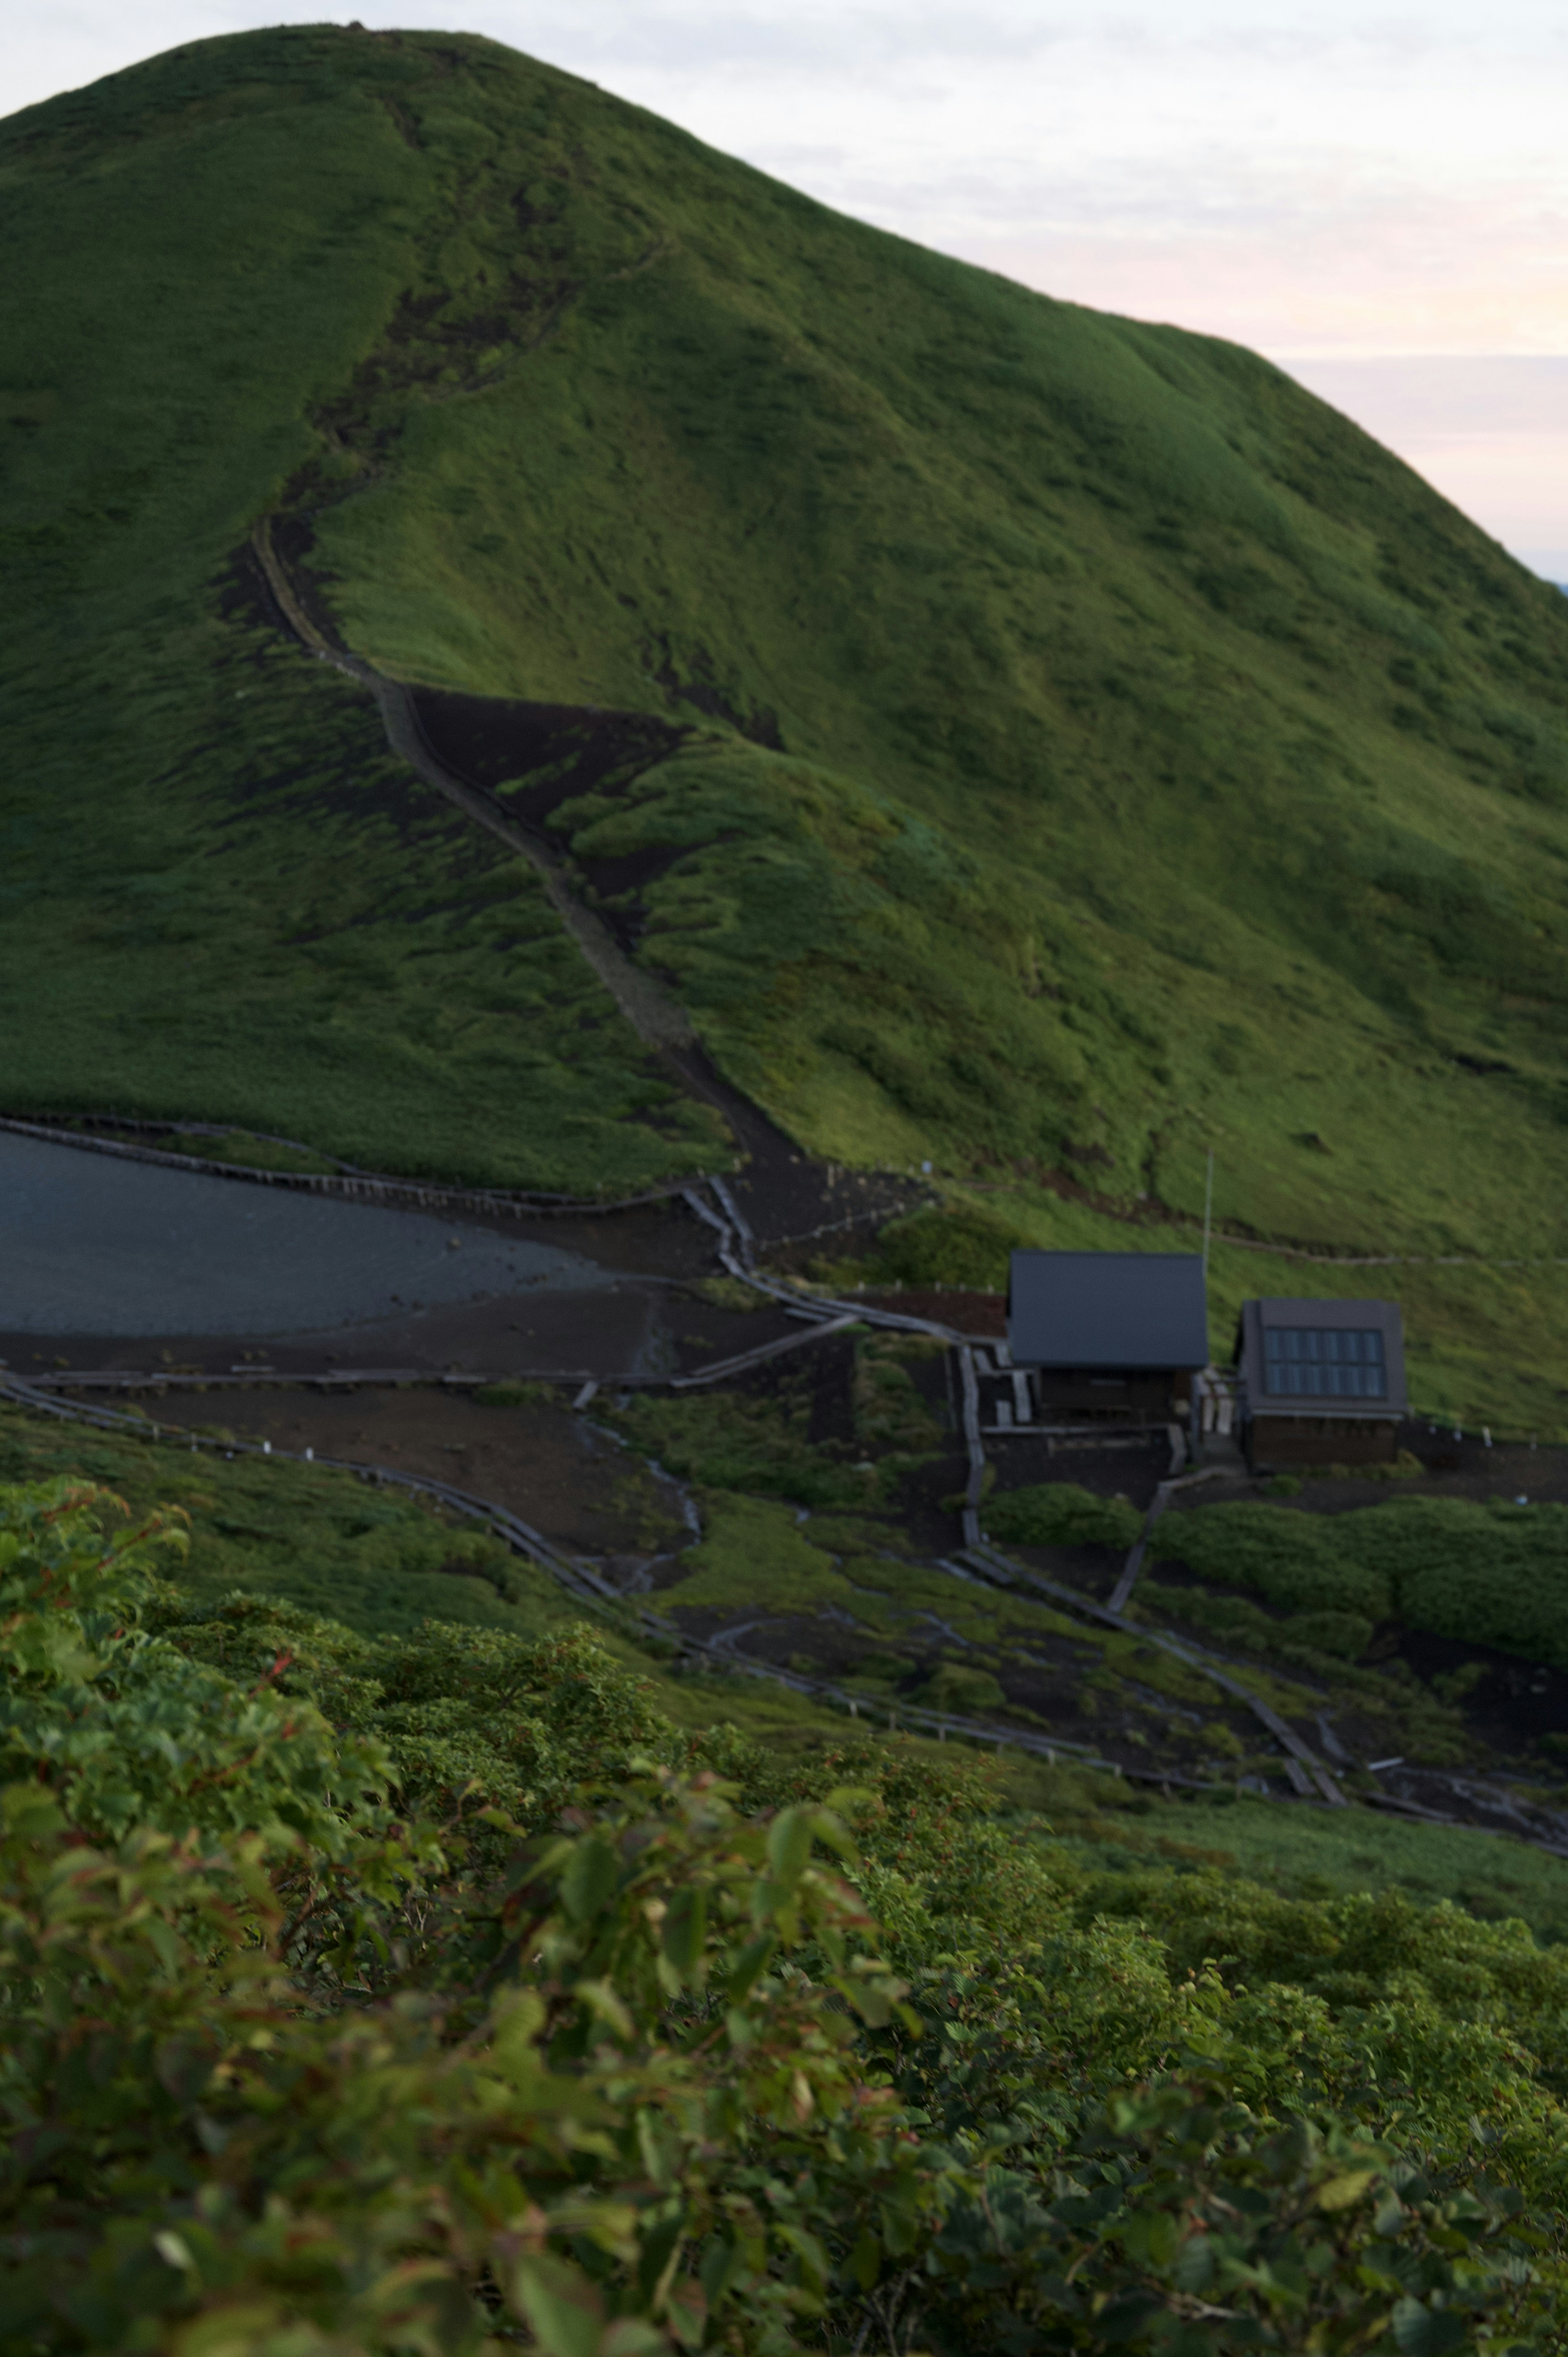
(1087, 747)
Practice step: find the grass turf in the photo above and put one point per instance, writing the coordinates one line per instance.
(1301, 1853)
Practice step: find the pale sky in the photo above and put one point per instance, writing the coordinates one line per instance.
(1377, 198)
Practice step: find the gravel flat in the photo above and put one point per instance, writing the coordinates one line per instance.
(92, 1244)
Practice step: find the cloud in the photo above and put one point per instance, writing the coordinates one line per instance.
(1490, 434)
(1344, 270)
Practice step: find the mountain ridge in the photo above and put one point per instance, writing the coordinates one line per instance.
(1092, 749)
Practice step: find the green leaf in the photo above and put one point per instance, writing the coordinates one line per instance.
(688, 2313)
(1341, 2192)
(591, 1879)
(813, 2257)
(1194, 2269)
(789, 1842)
(685, 1930)
(661, 2153)
(628, 2336)
(606, 2006)
(1422, 2331)
(843, 1798)
(748, 1967)
(184, 2063)
(562, 2307)
(1127, 2317)
(834, 1833)
(516, 2022)
(721, 2262)
(1152, 2239)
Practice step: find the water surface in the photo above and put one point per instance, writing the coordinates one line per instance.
(92, 1244)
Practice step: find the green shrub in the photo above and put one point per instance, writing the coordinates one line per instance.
(462, 1717)
(1233, 1620)
(962, 1246)
(1316, 1640)
(1060, 1513)
(515, 1394)
(616, 2167)
(1344, 1634)
(726, 1441)
(880, 1668)
(890, 1415)
(641, 2073)
(656, 2131)
(327, 1541)
(1489, 1574)
(1185, 2223)
(1306, 1562)
(962, 1691)
(729, 1293)
(124, 1727)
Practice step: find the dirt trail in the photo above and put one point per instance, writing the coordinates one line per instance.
(656, 1019)
(784, 1195)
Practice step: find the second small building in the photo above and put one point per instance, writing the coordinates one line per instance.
(1322, 1382)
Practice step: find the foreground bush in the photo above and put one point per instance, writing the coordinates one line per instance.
(330, 2082)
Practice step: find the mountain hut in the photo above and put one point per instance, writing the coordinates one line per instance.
(1108, 1337)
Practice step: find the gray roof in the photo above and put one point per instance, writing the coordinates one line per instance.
(1106, 1310)
(1320, 1316)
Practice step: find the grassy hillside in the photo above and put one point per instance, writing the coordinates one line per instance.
(1098, 748)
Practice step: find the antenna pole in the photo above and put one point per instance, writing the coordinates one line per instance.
(1208, 1212)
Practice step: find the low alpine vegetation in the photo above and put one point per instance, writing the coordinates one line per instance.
(433, 1993)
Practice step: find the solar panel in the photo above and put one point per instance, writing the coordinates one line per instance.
(1325, 1362)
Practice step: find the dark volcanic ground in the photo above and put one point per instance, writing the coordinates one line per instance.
(628, 1328)
(562, 1473)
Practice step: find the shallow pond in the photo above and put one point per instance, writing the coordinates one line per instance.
(90, 1243)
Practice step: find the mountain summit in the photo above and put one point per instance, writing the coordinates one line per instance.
(1013, 738)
